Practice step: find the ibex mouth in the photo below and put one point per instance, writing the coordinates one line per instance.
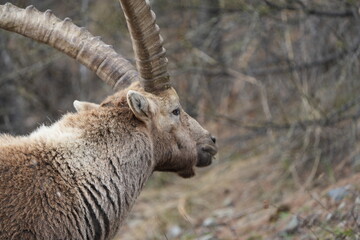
(205, 155)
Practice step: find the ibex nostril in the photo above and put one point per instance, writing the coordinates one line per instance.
(213, 139)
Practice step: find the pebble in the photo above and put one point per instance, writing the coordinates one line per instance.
(293, 225)
(341, 224)
(207, 237)
(174, 231)
(209, 222)
(329, 216)
(338, 194)
(342, 205)
(228, 202)
(224, 212)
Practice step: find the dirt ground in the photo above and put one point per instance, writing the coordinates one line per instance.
(252, 199)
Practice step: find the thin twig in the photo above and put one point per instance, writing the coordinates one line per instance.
(303, 7)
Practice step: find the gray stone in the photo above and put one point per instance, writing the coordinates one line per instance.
(338, 194)
(174, 231)
(293, 225)
(207, 237)
(224, 212)
(342, 206)
(209, 222)
(228, 202)
(329, 216)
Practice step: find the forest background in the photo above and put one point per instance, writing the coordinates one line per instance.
(278, 83)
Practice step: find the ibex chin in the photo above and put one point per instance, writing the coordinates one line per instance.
(78, 178)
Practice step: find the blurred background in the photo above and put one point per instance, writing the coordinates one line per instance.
(278, 83)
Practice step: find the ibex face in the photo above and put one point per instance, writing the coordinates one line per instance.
(181, 142)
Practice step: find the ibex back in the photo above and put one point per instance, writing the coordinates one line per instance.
(78, 178)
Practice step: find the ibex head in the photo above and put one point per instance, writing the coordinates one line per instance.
(188, 144)
(180, 143)
(157, 104)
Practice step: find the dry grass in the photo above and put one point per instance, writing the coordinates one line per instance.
(248, 198)
(187, 202)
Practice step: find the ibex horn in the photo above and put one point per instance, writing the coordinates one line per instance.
(147, 44)
(76, 42)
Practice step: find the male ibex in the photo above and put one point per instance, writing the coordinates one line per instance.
(78, 178)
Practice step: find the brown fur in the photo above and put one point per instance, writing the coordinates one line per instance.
(78, 178)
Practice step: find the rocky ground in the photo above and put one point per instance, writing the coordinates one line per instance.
(251, 200)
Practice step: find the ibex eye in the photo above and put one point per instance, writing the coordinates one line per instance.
(176, 112)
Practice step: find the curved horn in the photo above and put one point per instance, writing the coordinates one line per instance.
(68, 38)
(147, 45)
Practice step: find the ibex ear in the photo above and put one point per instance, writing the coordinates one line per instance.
(83, 106)
(139, 105)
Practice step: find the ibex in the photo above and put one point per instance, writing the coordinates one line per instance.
(78, 178)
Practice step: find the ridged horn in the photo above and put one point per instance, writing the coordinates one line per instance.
(68, 38)
(147, 44)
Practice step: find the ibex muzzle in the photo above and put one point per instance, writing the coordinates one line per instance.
(78, 178)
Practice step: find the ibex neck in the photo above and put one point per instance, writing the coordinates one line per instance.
(117, 171)
(110, 167)
(98, 162)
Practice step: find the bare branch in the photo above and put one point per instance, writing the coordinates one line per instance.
(303, 7)
(68, 38)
